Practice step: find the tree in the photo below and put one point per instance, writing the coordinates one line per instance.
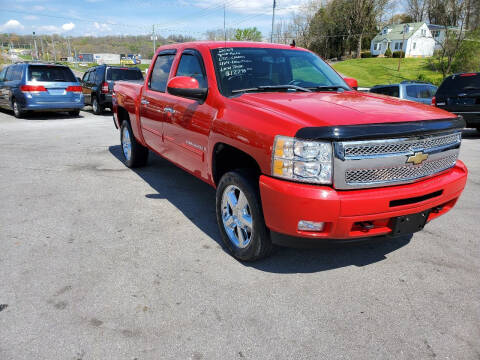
(219, 34)
(467, 58)
(416, 9)
(248, 34)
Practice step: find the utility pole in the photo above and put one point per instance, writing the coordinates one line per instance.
(224, 28)
(273, 19)
(35, 43)
(401, 50)
(154, 38)
(41, 47)
(54, 52)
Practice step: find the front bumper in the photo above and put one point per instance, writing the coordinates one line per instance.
(344, 212)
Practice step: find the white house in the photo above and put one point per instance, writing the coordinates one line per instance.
(414, 39)
(439, 33)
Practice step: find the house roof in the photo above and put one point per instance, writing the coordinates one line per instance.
(396, 32)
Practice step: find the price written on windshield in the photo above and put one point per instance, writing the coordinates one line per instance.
(232, 63)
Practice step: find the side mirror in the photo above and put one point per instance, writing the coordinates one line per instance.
(186, 87)
(353, 83)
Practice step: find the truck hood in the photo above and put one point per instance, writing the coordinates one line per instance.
(341, 108)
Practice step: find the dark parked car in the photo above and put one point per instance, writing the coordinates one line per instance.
(409, 90)
(39, 87)
(460, 94)
(97, 84)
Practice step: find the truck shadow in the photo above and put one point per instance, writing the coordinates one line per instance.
(196, 200)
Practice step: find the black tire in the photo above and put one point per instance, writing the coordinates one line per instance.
(478, 129)
(138, 153)
(96, 107)
(259, 244)
(74, 112)
(17, 110)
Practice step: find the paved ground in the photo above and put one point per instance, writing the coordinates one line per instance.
(101, 262)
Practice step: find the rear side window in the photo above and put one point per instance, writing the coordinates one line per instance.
(46, 73)
(99, 74)
(190, 66)
(2, 74)
(160, 72)
(115, 74)
(14, 73)
(456, 84)
(421, 91)
(388, 90)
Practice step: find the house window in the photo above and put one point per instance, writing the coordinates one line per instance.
(414, 45)
(376, 46)
(436, 33)
(424, 32)
(398, 45)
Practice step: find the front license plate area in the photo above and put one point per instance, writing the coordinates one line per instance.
(408, 224)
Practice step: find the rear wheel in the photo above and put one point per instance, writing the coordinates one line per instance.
(17, 110)
(135, 154)
(478, 129)
(240, 216)
(74, 112)
(96, 107)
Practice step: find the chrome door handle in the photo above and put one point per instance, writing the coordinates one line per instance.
(169, 110)
(144, 102)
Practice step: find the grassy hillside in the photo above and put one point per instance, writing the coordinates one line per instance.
(374, 71)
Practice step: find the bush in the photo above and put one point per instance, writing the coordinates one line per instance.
(388, 53)
(366, 54)
(398, 54)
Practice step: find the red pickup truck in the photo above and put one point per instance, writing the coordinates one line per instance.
(291, 148)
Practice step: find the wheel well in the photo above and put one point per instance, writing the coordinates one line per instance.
(122, 116)
(227, 158)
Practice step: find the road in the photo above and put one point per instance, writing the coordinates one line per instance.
(102, 262)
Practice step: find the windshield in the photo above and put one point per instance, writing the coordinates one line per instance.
(248, 68)
(124, 74)
(45, 73)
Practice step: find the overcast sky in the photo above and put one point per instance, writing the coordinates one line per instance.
(108, 17)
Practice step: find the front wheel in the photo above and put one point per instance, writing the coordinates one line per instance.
(240, 216)
(135, 154)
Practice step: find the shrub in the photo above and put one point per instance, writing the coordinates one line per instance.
(366, 54)
(388, 53)
(397, 54)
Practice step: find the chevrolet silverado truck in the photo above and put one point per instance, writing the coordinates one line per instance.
(293, 151)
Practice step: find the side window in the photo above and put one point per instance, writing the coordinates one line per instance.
(412, 91)
(99, 74)
(394, 91)
(85, 76)
(2, 74)
(161, 70)
(10, 73)
(190, 66)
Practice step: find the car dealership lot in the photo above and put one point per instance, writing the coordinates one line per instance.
(102, 262)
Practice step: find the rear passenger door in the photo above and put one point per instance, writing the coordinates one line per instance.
(187, 121)
(153, 100)
(86, 88)
(3, 88)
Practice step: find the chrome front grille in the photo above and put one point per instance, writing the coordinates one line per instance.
(400, 173)
(355, 149)
(374, 163)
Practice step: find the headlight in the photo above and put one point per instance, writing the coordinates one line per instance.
(302, 160)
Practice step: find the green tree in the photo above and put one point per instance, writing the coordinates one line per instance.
(248, 34)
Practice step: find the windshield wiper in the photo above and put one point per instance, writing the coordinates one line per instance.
(329, 87)
(272, 87)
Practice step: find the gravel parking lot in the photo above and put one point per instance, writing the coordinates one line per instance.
(102, 262)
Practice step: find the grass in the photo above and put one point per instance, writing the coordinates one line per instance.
(375, 71)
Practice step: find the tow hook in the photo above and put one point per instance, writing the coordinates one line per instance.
(366, 226)
(437, 209)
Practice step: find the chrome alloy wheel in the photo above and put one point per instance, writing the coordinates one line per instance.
(126, 143)
(237, 217)
(95, 105)
(16, 109)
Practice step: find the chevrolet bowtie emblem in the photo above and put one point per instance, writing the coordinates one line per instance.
(418, 158)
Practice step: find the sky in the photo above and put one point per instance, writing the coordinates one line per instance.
(136, 17)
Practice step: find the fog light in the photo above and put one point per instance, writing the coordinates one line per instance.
(310, 225)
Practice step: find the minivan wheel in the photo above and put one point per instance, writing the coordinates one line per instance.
(135, 154)
(96, 107)
(240, 217)
(17, 110)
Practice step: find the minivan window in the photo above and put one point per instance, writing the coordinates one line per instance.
(2, 74)
(160, 73)
(421, 91)
(99, 74)
(456, 84)
(48, 73)
(388, 90)
(124, 74)
(190, 66)
(10, 73)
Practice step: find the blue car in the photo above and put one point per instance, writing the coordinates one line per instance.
(37, 86)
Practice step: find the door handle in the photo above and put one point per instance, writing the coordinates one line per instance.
(169, 110)
(144, 102)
